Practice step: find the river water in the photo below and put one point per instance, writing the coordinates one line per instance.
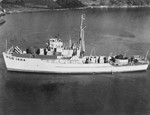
(108, 30)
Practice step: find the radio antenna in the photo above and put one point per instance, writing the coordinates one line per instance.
(6, 45)
(146, 55)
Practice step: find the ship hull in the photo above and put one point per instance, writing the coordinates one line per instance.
(21, 64)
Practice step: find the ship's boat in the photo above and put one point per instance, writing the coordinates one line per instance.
(56, 57)
(2, 20)
(2, 12)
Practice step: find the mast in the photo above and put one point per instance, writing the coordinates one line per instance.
(82, 33)
(146, 55)
(70, 42)
(6, 45)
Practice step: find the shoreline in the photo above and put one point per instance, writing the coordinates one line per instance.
(124, 6)
(14, 9)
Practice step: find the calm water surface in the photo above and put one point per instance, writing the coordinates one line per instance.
(113, 30)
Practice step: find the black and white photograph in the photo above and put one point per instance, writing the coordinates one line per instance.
(74, 57)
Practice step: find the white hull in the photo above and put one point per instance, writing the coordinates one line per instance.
(46, 66)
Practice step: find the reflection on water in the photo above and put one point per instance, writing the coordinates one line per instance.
(76, 94)
(108, 30)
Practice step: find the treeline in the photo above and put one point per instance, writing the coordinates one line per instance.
(69, 3)
(79, 3)
(13, 1)
(49, 3)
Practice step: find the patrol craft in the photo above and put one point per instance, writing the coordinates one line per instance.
(56, 57)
